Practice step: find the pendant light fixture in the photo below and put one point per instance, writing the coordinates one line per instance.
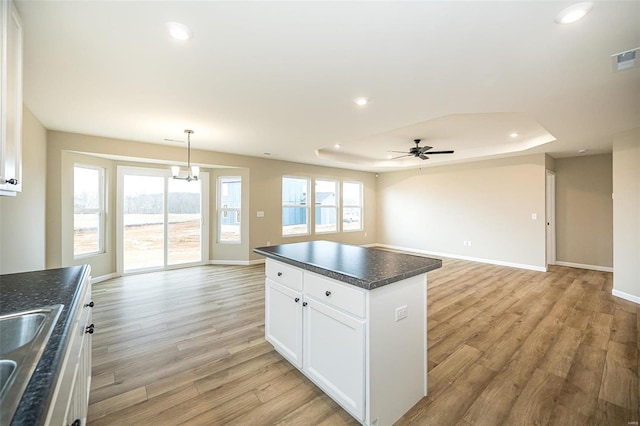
(193, 171)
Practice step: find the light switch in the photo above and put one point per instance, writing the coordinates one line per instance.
(260, 213)
(534, 216)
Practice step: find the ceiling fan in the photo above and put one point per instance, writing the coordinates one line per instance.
(419, 151)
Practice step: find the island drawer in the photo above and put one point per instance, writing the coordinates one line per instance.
(331, 292)
(286, 275)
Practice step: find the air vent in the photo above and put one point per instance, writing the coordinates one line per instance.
(625, 60)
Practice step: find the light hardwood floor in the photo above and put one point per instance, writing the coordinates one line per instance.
(506, 346)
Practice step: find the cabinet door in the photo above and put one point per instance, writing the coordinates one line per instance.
(334, 357)
(283, 321)
(11, 132)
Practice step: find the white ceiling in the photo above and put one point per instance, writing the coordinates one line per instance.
(280, 77)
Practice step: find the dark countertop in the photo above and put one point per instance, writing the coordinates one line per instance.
(364, 267)
(31, 290)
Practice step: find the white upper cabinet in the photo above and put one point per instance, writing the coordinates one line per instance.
(10, 100)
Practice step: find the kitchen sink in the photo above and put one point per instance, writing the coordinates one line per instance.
(23, 337)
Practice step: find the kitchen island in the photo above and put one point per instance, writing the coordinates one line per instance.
(354, 321)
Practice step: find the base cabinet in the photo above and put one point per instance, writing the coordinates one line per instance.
(349, 341)
(70, 402)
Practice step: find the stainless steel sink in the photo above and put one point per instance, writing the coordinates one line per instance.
(23, 336)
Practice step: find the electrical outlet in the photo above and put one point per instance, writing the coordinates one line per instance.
(260, 213)
(534, 216)
(469, 243)
(268, 243)
(401, 312)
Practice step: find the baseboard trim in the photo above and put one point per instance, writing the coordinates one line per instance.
(583, 266)
(626, 296)
(236, 262)
(101, 278)
(472, 259)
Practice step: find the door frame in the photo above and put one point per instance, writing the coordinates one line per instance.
(550, 217)
(204, 220)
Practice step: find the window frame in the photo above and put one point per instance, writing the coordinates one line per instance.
(100, 211)
(224, 211)
(306, 206)
(346, 206)
(335, 206)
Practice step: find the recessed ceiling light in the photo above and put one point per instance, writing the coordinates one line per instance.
(337, 146)
(573, 13)
(514, 135)
(583, 151)
(267, 153)
(361, 101)
(179, 31)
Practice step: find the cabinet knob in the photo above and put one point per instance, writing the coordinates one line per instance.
(11, 181)
(89, 329)
(90, 304)
(76, 422)
(279, 274)
(327, 293)
(297, 299)
(304, 303)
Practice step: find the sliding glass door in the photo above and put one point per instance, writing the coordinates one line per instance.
(160, 220)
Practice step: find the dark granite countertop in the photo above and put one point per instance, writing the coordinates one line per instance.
(364, 267)
(31, 290)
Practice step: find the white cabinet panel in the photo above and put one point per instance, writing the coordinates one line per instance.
(283, 322)
(334, 354)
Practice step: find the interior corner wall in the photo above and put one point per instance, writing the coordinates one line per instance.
(489, 203)
(22, 218)
(584, 210)
(626, 215)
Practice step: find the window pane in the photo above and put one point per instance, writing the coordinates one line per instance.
(86, 233)
(229, 226)
(326, 192)
(351, 219)
(183, 205)
(230, 192)
(294, 221)
(351, 194)
(294, 191)
(87, 207)
(326, 219)
(143, 217)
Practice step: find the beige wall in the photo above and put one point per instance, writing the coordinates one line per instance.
(489, 203)
(22, 218)
(262, 186)
(584, 210)
(626, 215)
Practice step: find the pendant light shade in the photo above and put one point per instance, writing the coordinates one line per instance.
(193, 171)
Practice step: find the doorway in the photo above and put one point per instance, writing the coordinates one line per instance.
(550, 216)
(162, 223)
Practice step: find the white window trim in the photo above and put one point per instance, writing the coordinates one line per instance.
(100, 211)
(346, 206)
(307, 206)
(222, 210)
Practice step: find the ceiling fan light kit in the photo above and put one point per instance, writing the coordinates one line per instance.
(419, 151)
(193, 171)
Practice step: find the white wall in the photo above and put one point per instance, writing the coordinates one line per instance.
(435, 209)
(626, 215)
(22, 218)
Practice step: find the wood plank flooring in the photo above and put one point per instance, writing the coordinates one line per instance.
(506, 346)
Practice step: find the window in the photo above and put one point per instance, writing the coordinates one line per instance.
(326, 206)
(351, 206)
(88, 210)
(229, 208)
(295, 207)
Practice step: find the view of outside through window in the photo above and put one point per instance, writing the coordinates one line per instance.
(229, 202)
(326, 206)
(351, 206)
(295, 208)
(87, 210)
(144, 221)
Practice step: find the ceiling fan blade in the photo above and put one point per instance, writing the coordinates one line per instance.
(423, 157)
(399, 152)
(422, 149)
(400, 156)
(440, 152)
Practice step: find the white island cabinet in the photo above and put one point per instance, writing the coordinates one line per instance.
(364, 345)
